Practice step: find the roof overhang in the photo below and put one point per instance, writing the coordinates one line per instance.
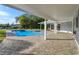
(53, 22)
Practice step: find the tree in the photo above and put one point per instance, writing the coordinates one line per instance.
(34, 20)
(29, 21)
(22, 21)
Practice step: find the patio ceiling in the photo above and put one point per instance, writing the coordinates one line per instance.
(56, 12)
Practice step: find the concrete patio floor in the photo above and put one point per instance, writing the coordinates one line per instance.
(38, 46)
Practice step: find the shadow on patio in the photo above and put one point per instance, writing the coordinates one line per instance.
(13, 47)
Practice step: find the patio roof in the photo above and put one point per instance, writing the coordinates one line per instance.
(56, 12)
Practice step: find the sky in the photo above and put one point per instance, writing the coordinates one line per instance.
(7, 14)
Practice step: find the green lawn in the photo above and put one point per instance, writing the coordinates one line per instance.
(2, 35)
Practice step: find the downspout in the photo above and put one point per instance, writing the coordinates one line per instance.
(72, 27)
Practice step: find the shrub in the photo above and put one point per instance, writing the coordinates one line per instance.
(2, 35)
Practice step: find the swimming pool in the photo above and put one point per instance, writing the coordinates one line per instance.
(27, 33)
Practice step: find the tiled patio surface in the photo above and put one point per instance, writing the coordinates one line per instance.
(38, 46)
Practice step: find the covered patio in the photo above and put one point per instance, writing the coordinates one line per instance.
(54, 42)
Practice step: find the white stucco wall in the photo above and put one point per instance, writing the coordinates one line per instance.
(67, 26)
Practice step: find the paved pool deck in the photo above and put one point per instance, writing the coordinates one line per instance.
(56, 44)
(59, 35)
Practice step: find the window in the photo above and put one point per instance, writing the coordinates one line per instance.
(76, 22)
(58, 26)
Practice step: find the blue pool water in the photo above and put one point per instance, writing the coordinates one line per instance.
(27, 33)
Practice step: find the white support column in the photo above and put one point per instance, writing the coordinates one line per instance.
(55, 27)
(45, 29)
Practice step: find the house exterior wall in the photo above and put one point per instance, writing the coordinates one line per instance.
(77, 30)
(67, 26)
